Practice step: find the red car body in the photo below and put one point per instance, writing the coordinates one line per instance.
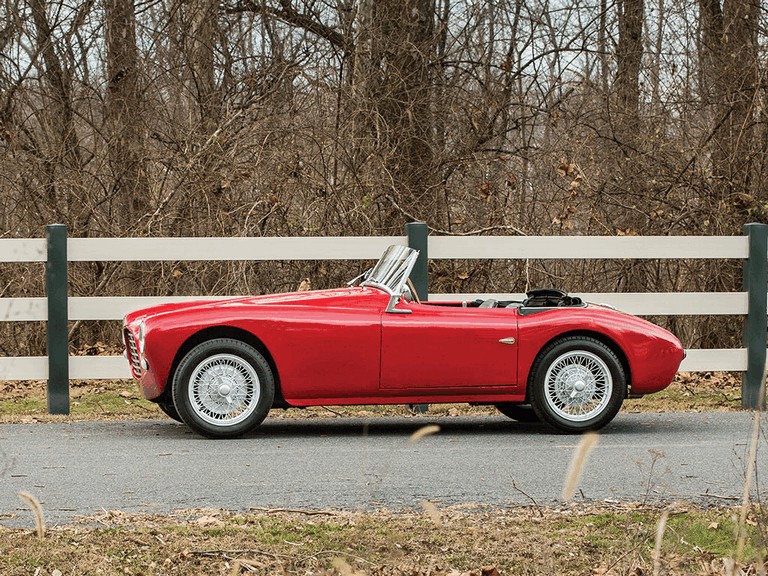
(373, 344)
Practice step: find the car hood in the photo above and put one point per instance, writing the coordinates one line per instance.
(308, 298)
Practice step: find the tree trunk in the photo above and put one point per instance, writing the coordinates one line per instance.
(629, 54)
(394, 88)
(740, 52)
(602, 45)
(729, 78)
(64, 148)
(203, 21)
(124, 133)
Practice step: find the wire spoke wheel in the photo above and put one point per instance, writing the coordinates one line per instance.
(578, 385)
(224, 389)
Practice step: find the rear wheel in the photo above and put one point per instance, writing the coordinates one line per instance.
(578, 384)
(519, 412)
(223, 388)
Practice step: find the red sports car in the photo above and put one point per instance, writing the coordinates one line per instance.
(220, 366)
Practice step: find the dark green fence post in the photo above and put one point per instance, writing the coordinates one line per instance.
(58, 317)
(417, 233)
(755, 325)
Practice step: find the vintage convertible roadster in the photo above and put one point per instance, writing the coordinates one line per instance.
(220, 366)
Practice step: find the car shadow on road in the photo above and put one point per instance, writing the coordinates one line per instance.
(454, 425)
(383, 426)
(394, 426)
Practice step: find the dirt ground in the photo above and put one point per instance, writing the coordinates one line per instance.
(606, 539)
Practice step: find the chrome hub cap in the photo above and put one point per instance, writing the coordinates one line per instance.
(578, 385)
(224, 389)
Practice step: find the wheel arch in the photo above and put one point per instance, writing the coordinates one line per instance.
(226, 332)
(600, 337)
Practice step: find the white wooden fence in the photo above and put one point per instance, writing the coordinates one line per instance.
(370, 248)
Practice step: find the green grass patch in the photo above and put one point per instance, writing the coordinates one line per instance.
(88, 401)
(714, 533)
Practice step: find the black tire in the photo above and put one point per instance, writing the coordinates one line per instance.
(577, 384)
(169, 409)
(242, 396)
(519, 412)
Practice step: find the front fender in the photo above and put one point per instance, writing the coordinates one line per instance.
(652, 354)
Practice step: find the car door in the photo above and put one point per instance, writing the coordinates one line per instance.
(449, 348)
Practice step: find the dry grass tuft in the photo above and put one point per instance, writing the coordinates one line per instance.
(745, 505)
(343, 567)
(432, 512)
(660, 529)
(425, 431)
(578, 461)
(37, 509)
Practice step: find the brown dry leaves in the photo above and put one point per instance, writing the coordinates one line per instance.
(607, 539)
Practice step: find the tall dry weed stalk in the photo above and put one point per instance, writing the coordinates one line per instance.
(432, 512)
(660, 529)
(37, 509)
(424, 431)
(343, 567)
(742, 526)
(578, 461)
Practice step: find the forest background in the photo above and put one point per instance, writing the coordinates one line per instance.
(353, 117)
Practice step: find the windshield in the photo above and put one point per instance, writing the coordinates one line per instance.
(392, 269)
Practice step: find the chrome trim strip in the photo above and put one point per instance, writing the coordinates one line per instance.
(393, 300)
(133, 353)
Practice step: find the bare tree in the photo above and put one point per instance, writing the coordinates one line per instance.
(63, 154)
(629, 55)
(730, 65)
(394, 81)
(124, 115)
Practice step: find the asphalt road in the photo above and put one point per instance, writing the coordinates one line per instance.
(156, 466)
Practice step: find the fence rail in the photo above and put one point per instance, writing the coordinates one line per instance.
(638, 303)
(751, 302)
(588, 247)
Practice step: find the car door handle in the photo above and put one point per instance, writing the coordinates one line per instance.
(509, 340)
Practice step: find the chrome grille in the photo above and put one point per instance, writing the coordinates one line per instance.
(133, 353)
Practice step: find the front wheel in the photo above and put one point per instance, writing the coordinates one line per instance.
(578, 384)
(223, 388)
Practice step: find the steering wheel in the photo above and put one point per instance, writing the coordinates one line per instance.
(413, 291)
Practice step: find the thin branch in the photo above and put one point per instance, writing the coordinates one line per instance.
(475, 232)
(288, 14)
(535, 504)
(294, 511)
